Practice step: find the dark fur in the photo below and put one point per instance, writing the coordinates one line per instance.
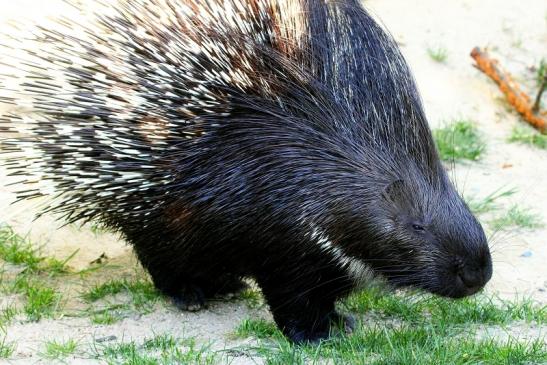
(344, 146)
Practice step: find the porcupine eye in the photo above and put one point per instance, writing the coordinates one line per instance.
(418, 228)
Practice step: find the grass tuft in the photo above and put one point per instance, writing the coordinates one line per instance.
(162, 349)
(517, 217)
(60, 350)
(6, 348)
(412, 308)
(438, 54)
(258, 328)
(142, 292)
(488, 203)
(528, 136)
(56, 266)
(141, 295)
(7, 315)
(17, 250)
(105, 316)
(459, 140)
(190, 353)
(100, 291)
(41, 302)
(162, 342)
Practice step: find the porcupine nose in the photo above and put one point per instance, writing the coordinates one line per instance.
(475, 275)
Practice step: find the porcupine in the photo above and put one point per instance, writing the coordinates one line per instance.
(280, 140)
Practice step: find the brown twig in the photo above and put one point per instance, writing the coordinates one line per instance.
(517, 98)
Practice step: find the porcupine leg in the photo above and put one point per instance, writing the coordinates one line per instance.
(190, 283)
(169, 279)
(301, 297)
(193, 294)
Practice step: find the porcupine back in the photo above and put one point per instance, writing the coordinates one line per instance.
(116, 110)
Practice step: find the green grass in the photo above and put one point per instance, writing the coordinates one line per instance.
(459, 140)
(514, 217)
(7, 315)
(406, 344)
(438, 54)
(162, 349)
(60, 350)
(111, 313)
(161, 342)
(56, 266)
(489, 202)
(517, 217)
(528, 136)
(106, 316)
(142, 291)
(258, 328)
(6, 348)
(141, 295)
(41, 302)
(18, 250)
(103, 290)
(408, 329)
(412, 308)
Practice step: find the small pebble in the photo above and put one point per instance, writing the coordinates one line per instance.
(526, 254)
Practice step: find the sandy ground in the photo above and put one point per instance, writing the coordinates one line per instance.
(514, 31)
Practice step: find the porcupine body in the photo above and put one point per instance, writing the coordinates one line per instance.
(281, 140)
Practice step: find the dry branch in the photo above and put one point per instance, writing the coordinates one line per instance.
(517, 98)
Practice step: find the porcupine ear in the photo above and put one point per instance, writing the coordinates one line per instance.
(400, 199)
(394, 192)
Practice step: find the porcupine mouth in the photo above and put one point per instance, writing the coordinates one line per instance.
(454, 283)
(455, 277)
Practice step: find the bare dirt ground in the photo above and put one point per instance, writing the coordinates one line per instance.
(514, 31)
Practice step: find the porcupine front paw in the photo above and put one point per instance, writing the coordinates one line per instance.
(314, 331)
